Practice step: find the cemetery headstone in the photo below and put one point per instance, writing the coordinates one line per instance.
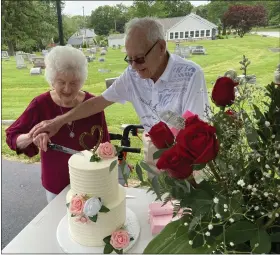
(114, 47)
(35, 71)
(198, 50)
(101, 59)
(119, 46)
(20, 62)
(277, 75)
(104, 70)
(30, 58)
(5, 55)
(39, 62)
(103, 52)
(93, 50)
(45, 52)
(109, 82)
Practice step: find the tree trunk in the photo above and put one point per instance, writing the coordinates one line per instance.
(11, 48)
(224, 30)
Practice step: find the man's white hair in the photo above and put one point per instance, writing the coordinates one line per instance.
(65, 59)
(154, 29)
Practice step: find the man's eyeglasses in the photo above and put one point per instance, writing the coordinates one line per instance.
(139, 60)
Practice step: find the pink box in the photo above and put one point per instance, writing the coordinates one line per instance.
(160, 216)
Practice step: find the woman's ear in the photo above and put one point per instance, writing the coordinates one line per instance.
(162, 44)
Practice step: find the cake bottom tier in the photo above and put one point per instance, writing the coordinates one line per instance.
(93, 233)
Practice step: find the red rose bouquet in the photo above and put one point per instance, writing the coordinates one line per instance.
(235, 207)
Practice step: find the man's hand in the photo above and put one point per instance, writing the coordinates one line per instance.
(41, 141)
(50, 127)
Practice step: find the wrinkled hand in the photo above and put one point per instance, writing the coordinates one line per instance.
(41, 141)
(50, 127)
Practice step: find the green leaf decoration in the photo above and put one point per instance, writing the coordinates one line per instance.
(263, 241)
(198, 166)
(93, 218)
(275, 237)
(158, 153)
(251, 133)
(108, 249)
(240, 232)
(99, 199)
(107, 239)
(104, 209)
(139, 172)
(118, 251)
(146, 167)
(167, 242)
(67, 205)
(156, 187)
(73, 215)
(113, 165)
(131, 239)
(123, 165)
(198, 241)
(95, 158)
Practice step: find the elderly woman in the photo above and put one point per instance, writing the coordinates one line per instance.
(66, 72)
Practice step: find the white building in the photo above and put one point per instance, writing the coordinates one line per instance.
(192, 25)
(116, 39)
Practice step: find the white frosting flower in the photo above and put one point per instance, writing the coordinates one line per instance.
(92, 206)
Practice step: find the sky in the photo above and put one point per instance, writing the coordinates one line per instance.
(76, 7)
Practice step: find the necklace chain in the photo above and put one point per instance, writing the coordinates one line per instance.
(71, 134)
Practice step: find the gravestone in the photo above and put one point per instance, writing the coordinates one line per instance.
(20, 62)
(5, 55)
(39, 62)
(93, 50)
(19, 52)
(119, 46)
(198, 50)
(35, 71)
(104, 70)
(277, 75)
(90, 58)
(101, 59)
(109, 82)
(24, 55)
(103, 52)
(114, 47)
(30, 58)
(45, 52)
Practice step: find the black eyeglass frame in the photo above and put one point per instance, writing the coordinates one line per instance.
(140, 60)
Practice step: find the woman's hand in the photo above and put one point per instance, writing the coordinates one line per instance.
(41, 141)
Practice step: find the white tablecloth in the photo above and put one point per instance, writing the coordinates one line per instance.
(39, 236)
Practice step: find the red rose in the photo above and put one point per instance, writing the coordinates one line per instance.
(234, 116)
(223, 92)
(161, 135)
(197, 141)
(176, 166)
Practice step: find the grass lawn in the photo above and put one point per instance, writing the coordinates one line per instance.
(18, 87)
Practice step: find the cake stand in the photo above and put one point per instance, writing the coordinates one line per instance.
(68, 245)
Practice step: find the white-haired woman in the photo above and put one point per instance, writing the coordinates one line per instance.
(66, 72)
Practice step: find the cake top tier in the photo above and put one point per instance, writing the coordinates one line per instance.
(106, 153)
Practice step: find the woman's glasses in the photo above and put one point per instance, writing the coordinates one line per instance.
(140, 60)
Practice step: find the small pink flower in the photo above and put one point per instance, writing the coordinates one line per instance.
(77, 205)
(82, 219)
(119, 239)
(106, 150)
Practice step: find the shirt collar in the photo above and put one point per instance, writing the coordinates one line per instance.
(165, 74)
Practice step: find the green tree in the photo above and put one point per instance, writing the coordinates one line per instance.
(28, 24)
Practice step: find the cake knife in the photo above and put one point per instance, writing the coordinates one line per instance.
(64, 149)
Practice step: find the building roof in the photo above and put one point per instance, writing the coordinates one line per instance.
(116, 36)
(169, 22)
(194, 16)
(83, 33)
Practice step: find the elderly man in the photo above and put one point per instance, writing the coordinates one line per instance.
(154, 81)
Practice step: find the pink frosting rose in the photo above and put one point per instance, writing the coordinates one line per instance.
(82, 219)
(120, 239)
(106, 150)
(77, 205)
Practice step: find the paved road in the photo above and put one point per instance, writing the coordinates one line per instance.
(273, 34)
(23, 197)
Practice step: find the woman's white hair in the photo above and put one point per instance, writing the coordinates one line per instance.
(65, 59)
(154, 29)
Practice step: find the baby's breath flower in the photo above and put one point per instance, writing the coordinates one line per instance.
(231, 244)
(190, 242)
(216, 200)
(210, 226)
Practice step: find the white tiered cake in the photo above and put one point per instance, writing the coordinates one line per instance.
(94, 180)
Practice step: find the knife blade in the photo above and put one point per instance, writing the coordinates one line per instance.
(64, 149)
